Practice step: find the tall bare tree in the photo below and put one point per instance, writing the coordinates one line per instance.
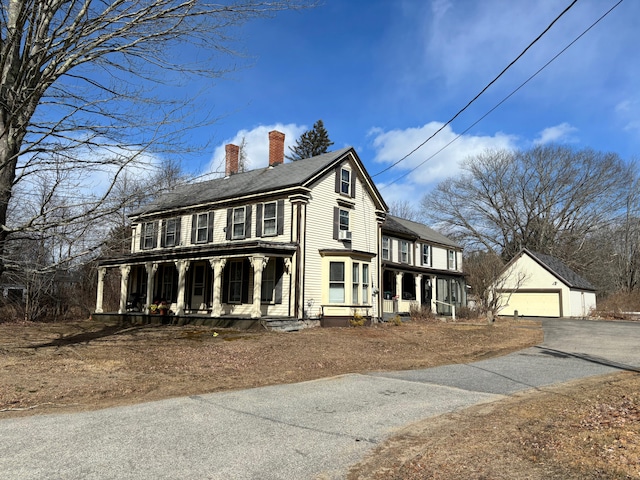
(76, 83)
(550, 199)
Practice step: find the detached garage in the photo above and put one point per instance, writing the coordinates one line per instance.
(537, 285)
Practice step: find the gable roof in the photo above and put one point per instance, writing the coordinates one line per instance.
(259, 181)
(560, 270)
(417, 231)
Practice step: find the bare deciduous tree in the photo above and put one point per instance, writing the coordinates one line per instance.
(76, 82)
(550, 199)
(404, 209)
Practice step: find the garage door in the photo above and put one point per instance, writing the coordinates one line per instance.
(532, 304)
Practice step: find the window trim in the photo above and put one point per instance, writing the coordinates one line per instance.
(345, 184)
(452, 260)
(366, 300)
(200, 228)
(149, 236)
(337, 284)
(427, 254)
(274, 219)
(355, 283)
(343, 214)
(405, 256)
(234, 223)
(386, 240)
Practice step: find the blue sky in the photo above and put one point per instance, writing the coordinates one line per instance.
(384, 75)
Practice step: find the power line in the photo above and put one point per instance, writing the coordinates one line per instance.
(481, 91)
(505, 98)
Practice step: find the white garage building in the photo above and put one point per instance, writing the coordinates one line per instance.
(537, 285)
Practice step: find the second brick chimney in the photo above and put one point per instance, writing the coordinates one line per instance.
(276, 148)
(231, 160)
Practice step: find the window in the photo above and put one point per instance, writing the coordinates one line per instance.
(198, 281)
(148, 235)
(268, 282)
(426, 254)
(269, 222)
(344, 219)
(365, 283)
(404, 251)
(167, 283)
(171, 232)
(336, 282)
(202, 225)
(238, 223)
(385, 248)
(355, 292)
(345, 181)
(235, 282)
(452, 263)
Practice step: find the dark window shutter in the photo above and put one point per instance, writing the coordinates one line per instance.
(163, 233)
(142, 236)
(194, 225)
(245, 281)
(247, 222)
(280, 216)
(279, 278)
(336, 222)
(225, 283)
(229, 222)
(210, 227)
(259, 220)
(178, 237)
(353, 184)
(155, 234)
(338, 179)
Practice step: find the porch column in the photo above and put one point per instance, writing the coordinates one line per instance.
(216, 303)
(124, 283)
(100, 294)
(396, 303)
(434, 306)
(182, 266)
(418, 279)
(151, 269)
(258, 262)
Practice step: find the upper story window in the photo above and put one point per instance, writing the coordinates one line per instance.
(426, 254)
(404, 251)
(170, 232)
(452, 260)
(149, 235)
(345, 181)
(238, 223)
(386, 248)
(344, 219)
(202, 228)
(269, 218)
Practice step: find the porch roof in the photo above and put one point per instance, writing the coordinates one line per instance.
(416, 231)
(210, 251)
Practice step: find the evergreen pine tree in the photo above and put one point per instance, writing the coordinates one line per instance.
(311, 143)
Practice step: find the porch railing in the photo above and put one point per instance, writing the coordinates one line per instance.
(453, 308)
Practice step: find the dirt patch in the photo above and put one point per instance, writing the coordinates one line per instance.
(588, 429)
(68, 367)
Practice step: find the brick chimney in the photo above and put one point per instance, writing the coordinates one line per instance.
(231, 160)
(276, 148)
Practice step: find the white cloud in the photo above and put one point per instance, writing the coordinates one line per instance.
(561, 133)
(391, 146)
(439, 158)
(256, 144)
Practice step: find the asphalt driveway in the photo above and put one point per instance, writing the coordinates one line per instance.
(300, 431)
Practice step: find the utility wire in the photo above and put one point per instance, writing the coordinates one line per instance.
(505, 98)
(481, 91)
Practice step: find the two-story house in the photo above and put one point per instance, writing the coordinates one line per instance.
(420, 267)
(297, 240)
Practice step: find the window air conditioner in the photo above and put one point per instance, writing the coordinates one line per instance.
(344, 235)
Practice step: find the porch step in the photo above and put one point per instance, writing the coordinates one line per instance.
(288, 324)
(389, 316)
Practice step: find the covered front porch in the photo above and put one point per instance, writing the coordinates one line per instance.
(404, 290)
(253, 286)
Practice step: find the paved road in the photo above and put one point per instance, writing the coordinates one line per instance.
(300, 431)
